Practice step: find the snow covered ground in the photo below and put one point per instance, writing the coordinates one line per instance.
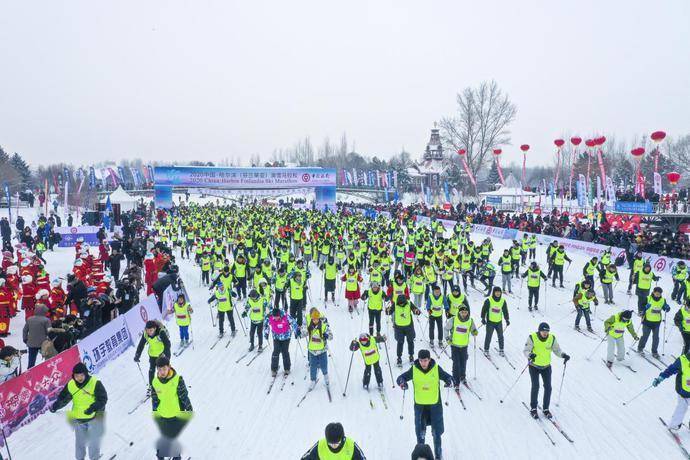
(232, 396)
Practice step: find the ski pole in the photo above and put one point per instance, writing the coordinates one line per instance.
(560, 388)
(474, 358)
(210, 309)
(447, 395)
(191, 332)
(515, 383)
(663, 346)
(402, 408)
(142, 374)
(589, 358)
(385, 345)
(239, 318)
(625, 403)
(299, 344)
(348, 373)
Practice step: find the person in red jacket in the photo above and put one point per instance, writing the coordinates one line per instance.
(151, 273)
(352, 294)
(5, 308)
(7, 259)
(12, 279)
(28, 296)
(57, 300)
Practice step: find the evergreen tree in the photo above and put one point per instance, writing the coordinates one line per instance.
(493, 177)
(23, 170)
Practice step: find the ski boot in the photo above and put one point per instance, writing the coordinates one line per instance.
(365, 386)
(463, 380)
(529, 308)
(286, 372)
(312, 385)
(536, 308)
(380, 385)
(411, 359)
(501, 353)
(440, 343)
(655, 355)
(577, 328)
(274, 374)
(547, 414)
(251, 347)
(431, 344)
(232, 334)
(609, 364)
(533, 413)
(589, 329)
(326, 381)
(220, 334)
(398, 362)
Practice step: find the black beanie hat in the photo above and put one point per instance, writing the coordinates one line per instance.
(422, 452)
(334, 433)
(151, 323)
(627, 314)
(80, 368)
(544, 327)
(423, 354)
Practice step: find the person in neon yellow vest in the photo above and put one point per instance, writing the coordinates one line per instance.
(172, 409)
(615, 328)
(426, 376)
(334, 446)
(537, 350)
(643, 285)
(89, 398)
(368, 345)
(651, 320)
(681, 369)
(682, 321)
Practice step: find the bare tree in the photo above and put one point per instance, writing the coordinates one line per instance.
(679, 153)
(480, 125)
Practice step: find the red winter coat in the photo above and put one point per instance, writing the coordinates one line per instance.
(352, 295)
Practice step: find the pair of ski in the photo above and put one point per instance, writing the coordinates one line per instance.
(256, 355)
(139, 404)
(182, 348)
(588, 334)
(656, 362)
(220, 337)
(273, 381)
(612, 371)
(554, 423)
(311, 388)
(505, 357)
(383, 398)
(676, 438)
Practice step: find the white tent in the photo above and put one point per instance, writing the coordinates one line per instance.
(126, 201)
(510, 197)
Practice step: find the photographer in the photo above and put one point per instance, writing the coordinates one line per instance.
(126, 296)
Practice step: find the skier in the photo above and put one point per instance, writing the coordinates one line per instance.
(487, 273)
(298, 289)
(455, 300)
(636, 265)
(643, 282)
(172, 409)
(256, 306)
(223, 298)
(558, 259)
(368, 345)
(428, 409)
(682, 321)
(494, 311)
(651, 320)
(89, 398)
(582, 303)
(282, 326)
(680, 274)
(334, 446)
(590, 269)
(436, 304)
(550, 251)
(458, 329)
(533, 283)
(330, 271)
(506, 264)
(183, 318)
(318, 333)
(402, 310)
(352, 292)
(374, 296)
(615, 329)
(538, 349)
(156, 337)
(606, 276)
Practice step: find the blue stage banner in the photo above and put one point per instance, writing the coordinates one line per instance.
(634, 207)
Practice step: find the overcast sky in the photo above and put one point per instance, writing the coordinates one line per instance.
(84, 81)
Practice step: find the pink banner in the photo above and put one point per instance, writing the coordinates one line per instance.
(24, 398)
(469, 173)
(602, 170)
(500, 172)
(656, 160)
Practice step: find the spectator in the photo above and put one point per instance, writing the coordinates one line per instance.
(35, 332)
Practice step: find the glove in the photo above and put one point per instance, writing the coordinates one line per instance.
(89, 410)
(190, 310)
(136, 359)
(448, 384)
(298, 334)
(655, 383)
(507, 323)
(636, 338)
(532, 356)
(353, 345)
(666, 308)
(483, 321)
(244, 314)
(566, 358)
(403, 385)
(52, 409)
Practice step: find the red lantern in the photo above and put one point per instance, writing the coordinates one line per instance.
(524, 148)
(537, 211)
(673, 177)
(637, 153)
(658, 136)
(559, 143)
(601, 140)
(497, 152)
(590, 143)
(575, 140)
(461, 152)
